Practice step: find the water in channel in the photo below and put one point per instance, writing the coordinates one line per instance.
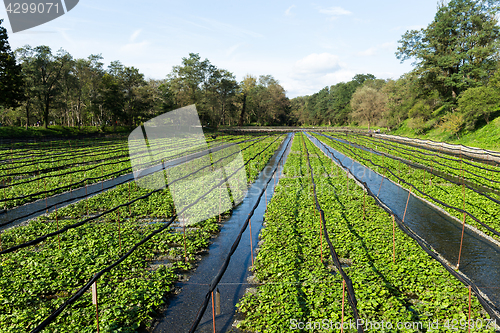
(183, 308)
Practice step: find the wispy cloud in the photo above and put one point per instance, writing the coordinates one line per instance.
(334, 12)
(288, 12)
(410, 27)
(233, 48)
(374, 50)
(134, 35)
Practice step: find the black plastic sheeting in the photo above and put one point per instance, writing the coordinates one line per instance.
(350, 290)
(87, 286)
(433, 229)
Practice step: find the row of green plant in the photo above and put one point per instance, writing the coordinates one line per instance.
(297, 292)
(452, 194)
(87, 166)
(34, 281)
(20, 149)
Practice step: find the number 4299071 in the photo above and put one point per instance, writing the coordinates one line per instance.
(24, 8)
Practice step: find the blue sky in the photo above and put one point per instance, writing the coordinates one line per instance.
(305, 45)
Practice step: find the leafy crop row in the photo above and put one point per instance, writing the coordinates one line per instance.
(455, 195)
(487, 175)
(295, 286)
(90, 164)
(36, 280)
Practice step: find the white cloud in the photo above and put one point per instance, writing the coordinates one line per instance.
(334, 12)
(134, 35)
(288, 12)
(316, 64)
(314, 72)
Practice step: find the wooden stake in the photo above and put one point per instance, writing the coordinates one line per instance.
(217, 302)
(364, 205)
(185, 248)
(393, 239)
(463, 196)
(45, 190)
(321, 238)
(461, 242)
(57, 224)
(129, 208)
(470, 306)
(213, 312)
(342, 317)
(407, 200)
(220, 198)
(378, 193)
(95, 301)
(266, 196)
(251, 243)
(347, 174)
(119, 231)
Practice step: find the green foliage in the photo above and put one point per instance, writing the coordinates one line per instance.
(11, 83)
(417, 124)
(368, 103)
(457, 50)
(293, 283)
(331, 105)
(452, 123)
(479, 102)
(36, 280)
(453, 194)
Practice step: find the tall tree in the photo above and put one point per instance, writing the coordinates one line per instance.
(11, 81)
(247, 85)
(458, 49)
(44, 70)
(368, 103)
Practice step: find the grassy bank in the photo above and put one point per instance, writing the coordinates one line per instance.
(487, 137)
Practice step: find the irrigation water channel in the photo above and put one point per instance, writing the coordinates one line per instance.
(480, 258)
(182, 308)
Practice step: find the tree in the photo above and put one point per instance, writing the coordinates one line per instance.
(457, 50)
(44, 71)
(113, 98)
(11, 81)
(247, 85)
(88, 74)
(368, 103)
(478, 102)
(452, 123)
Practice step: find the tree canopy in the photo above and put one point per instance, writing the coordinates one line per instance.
(11, 82)
(458, 50)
